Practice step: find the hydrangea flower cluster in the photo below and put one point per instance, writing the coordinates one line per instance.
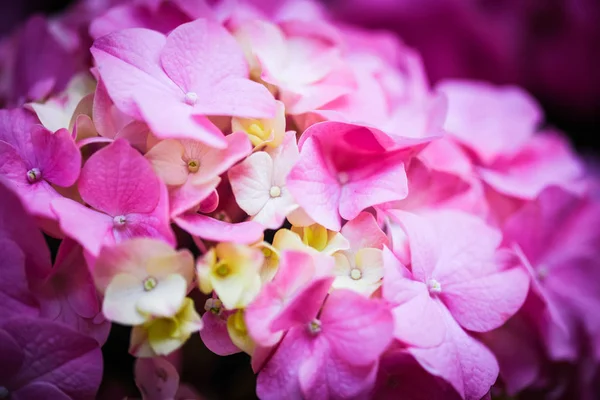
(357, 232)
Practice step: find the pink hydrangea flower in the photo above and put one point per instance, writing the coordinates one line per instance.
(301, 279)
(456, 277)
(127, 200)
(330, 355)
(259, 183)
(173, 82)
(562, 263)
(191, 169)
(306, 68)
(34, 159)
(346, 168)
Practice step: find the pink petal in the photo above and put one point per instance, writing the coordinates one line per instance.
(190, 195)
(279, 377)
(314, 188)
(358, 329)
(199, 54)
(128, 62)
(213, 229)
(174, 120)
(461, 360)
(486, 303)
(418, 319)
(363, 231)
(156, 378)
(93, 234)
(325, 375)
(118, 180)
(215, 336)
(292, 297)
(507, 115)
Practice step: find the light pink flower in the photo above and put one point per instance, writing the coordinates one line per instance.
(191, 169)
(456, 277)
(306, 67)
(332, 355)
(141, 279)
(34, 159)
(360, 268)
(209, 228)
(346, 168)
(128, 200)
(259, 183)
(47, 360)
(173, 82)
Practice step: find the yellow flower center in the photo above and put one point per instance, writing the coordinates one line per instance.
(149, 283)
(222, 269)
(267, 252)
(257, 129)
(314, 326)
(193, 166)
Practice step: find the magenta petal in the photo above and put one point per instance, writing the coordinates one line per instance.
(118, 180)
(57, 155)
(213, 229)
(13, 168)
(15, 298)
(215, 336)
(19, 227)
(69, 294)
(56, 356)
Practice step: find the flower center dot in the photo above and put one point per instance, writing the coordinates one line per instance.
(34, 175)
(193, 166)
(150, 283)
(355, 274)
(275, 191)
(222, 270)
(214, 306)
(434, 286)
(191, 98)
(119, 220)
(314, 326)
(343, 178)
